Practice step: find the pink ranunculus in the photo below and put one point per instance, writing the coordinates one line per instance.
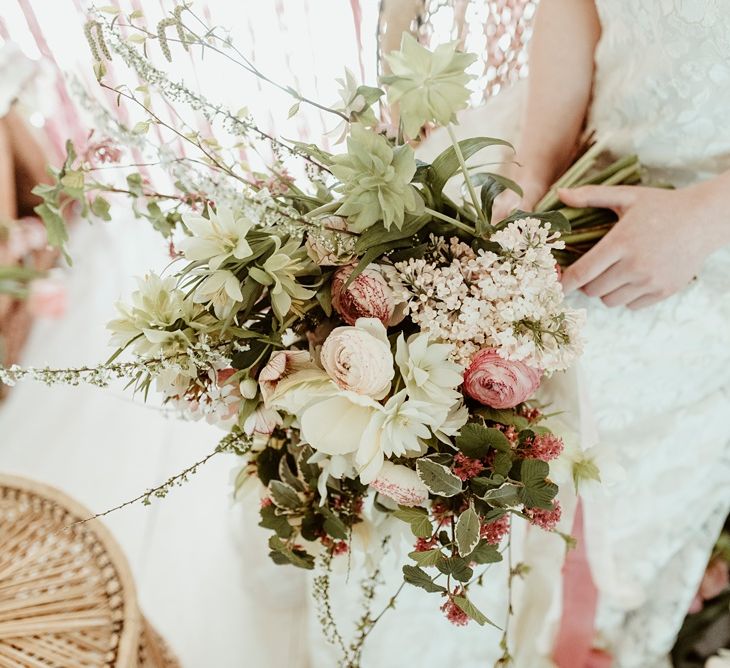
(47, 298)
(494, 381)
(368, 296)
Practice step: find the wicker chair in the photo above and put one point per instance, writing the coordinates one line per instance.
(67, 597)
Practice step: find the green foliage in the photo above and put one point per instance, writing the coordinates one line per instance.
(476, 440)
(421, 525)
(467, 532)
(419, 578)
(538, 492)
(438, 478)
(447, 163)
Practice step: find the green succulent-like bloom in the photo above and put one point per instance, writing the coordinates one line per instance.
(279, 272)
(427, 86)
(376, 180)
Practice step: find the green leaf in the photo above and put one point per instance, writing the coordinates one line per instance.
(370, 94)
(472, 611)
(475, 440)
(505, 495)
(493, 185)
(419, 578)
(438, 478)
(556, 220)
(447, 164)
(245, 359)
(418, 519)
(284, 496)
(324, 297)
(281, 554)
(427, 557)
(484, 553)
(287, 475)
(100, 208)
(293, 110)
(55, 227)
(333, 525)
(277, 523)
(457, 567)
(467, 532)
(267, 465)
(503, 416)
(538, 492)
(502, 463)
(377, 235)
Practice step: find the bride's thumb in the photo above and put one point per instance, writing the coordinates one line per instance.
(616, 198)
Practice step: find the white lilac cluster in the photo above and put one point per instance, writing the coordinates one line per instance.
(509, 300)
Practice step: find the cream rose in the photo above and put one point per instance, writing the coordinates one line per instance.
(368, 296)
(359, 358)
(494, 381)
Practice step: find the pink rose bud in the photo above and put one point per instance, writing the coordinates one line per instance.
(47, 298)
(368, 296)
(494, 381)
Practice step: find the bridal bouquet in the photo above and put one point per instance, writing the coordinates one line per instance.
(372, 346)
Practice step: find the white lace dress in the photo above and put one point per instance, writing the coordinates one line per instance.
(654, 383)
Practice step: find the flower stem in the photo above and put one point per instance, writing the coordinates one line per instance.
(465, 172)
(448, 219)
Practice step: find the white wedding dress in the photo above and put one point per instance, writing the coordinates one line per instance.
(654, 384)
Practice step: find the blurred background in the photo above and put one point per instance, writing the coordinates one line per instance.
(201, 571)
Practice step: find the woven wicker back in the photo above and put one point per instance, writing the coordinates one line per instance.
(67, 597)
(496, 30)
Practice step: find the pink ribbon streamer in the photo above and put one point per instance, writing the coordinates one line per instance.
(574, 645)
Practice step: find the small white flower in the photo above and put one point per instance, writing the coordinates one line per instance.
(215, 239)
(427, 370)
(152, 321)
(333, 466)
(393, 430)
(222, 290)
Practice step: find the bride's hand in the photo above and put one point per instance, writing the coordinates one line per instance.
(656, 248)
(508, 201)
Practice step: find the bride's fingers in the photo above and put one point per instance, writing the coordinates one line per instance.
(616, 198)
(624, 295)
(589, 267)
(613, 278)
(504, 204)
(645, 301)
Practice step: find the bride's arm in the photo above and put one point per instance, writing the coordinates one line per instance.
(559, 90)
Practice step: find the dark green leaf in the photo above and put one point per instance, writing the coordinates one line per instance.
(447, 164)
(438, 478)
(419, 578)
(277, 523)
(472, 611)
(281, 554)
(457, 567)
(556, 220)
(484, 553)
(467, 532)
(267, 465)
(538, 492)
(427, 558)
(475, 440)
(245, 359)
(284, 496)
(418, 519)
